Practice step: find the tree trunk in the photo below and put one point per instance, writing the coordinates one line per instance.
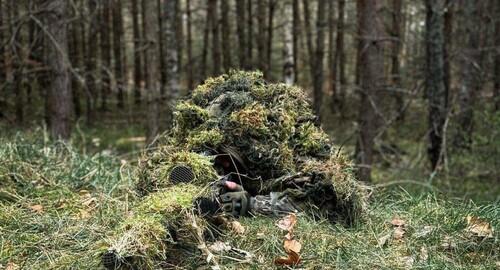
(448, 46)
(470, 73)
(143, 46)
(2, 59)
(76, 57)
(340, 56)
(31, 77)
(2, 51)
(269, 47)
(216, 53)
(250, 64)
(371, 66)
(240, 29)
(59, 93)
(171, 50)
(118, 53)
(152, 68)
(435, 78)
(189, 45)
(91, 62)
(179, 34)
(309, 37)
(261, 36)
(206, 34)
(105, 53)
(332, 60)
(296, 34)
(316, 55)
(395, 55)
(17, 56)
(288, 44)
(496, 84)
(136, 54)
(226, 35)
(162, 45)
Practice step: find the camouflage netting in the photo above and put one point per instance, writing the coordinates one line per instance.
(272, 129)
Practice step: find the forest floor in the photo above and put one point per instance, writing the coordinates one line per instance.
(58, 202)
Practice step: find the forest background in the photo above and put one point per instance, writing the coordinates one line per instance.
(409, 89)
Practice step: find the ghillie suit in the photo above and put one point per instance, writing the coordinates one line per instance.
(242, 129)
(265, 136)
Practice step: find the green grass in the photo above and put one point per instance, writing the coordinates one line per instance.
(85, 192)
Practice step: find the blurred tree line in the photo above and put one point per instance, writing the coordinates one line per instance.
(64, 60)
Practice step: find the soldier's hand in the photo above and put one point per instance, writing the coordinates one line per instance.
(235, 201)
(224, 186)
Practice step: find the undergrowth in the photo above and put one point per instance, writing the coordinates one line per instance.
(57, 205)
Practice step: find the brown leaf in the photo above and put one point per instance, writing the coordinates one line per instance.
(398, 233)
(479, 227)
(292, 259)
(84, 214)
(236, 227)
(287, 223)
(36, 208)
(397, 222)
(11, 266)
(292, 246)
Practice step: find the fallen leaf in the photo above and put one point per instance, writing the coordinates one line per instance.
(37, 208)
(236, 227)
(479, 227)
(292, 246)
(398, 222)
(398, 233)
(11, 266)
(292, 259)
(84, 214)
(220, 246)
(287, 223)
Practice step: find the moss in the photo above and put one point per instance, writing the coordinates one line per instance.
(311, 140)
(188, 116)
(201, 92)
(144, 238)
(337, 173)
(155, 168)
(204, 138)
(175, 199)
(251, 120)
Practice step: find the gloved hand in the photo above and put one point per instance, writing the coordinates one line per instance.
(234, 199)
